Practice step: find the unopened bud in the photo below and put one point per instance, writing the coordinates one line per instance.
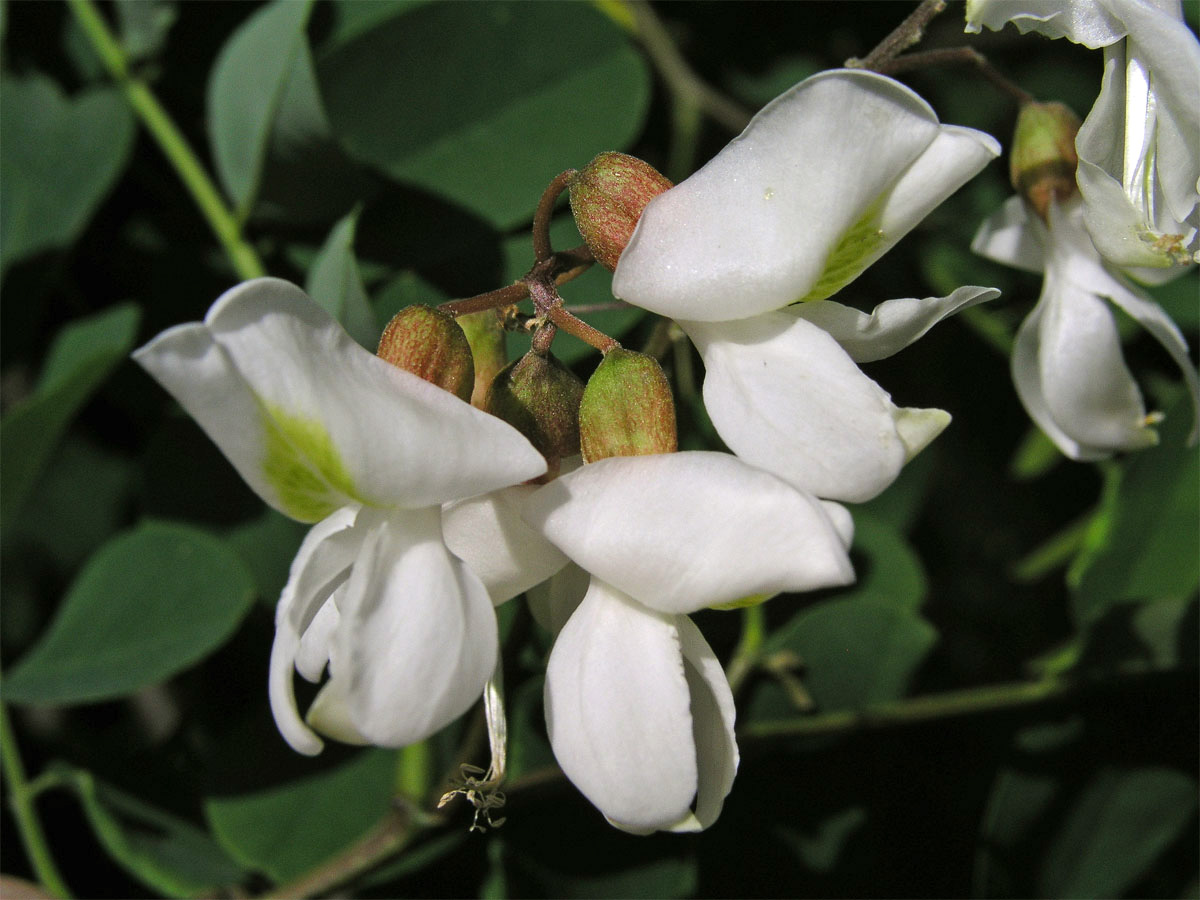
(539, 397)
(429, 343)
(485, 334)
(607, 199)
(1043, 159)
(627, 408)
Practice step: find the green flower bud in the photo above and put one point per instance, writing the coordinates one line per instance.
(429, 343)
(1042, 162)
(627, 408)
(607, 199)
(539, 397)
(485, 334)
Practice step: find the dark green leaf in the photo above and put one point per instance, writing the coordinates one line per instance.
(662, 878)
(856, 652)
(267, 545)
(819, 850)
(523, 91)
(335, 283)
(170, 855)
(1150, 528)
(58, 160)
(247, 89)
(891, 571)
(81, 358)
(285, 831)
(144, 25)
(1118, 826)
(150, 603)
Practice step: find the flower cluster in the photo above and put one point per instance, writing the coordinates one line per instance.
(427, 511)
(1127, 210)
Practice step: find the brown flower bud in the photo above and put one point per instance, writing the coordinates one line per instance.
(627, 408)
(1042, 162)
(429, 343)
(607, 199)
(539, 397)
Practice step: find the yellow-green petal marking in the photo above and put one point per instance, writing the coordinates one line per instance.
(303, 467)
(850, 257)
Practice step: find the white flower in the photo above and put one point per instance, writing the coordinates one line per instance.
(824, 180)
(326, 432)
(638, 711)
(1139, 148)
(1067, 363)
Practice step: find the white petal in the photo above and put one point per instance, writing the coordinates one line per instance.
(313, 654)
(554, 601)
(313, 421)
(618, 711)
(892, 325)
(785, 397)
(418, 636)
(683, 531)
(489, 535)
(320, 566)
(1013, 237)
(330, 713)
(842, 521)
(1080, 21)
(755, 228)
(713, 717)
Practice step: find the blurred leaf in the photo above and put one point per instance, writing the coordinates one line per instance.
(59, 158)
(80, 501)
(168, 854)
(757, 89)
(1018, 801)
(285, 831)
(417, 856)
(78, 362)
(403, 290)
(267, 545)
(1151, 528)
(523, 91)
(819, 851)
(1120, 824)
(144, 25)
(901, 503)
(246, 90)
(856, 652)
(1178, 298)
(528, 749)
(495, 882)
(662, 878)
(335, 283)
(150, 603)
(353, 17)
(893, 573)
(1034, 456)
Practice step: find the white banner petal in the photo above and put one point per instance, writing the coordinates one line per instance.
(1080, 21)
(618, 711)
(892, 325)
(489, 535)
(1013, 237)
(329, 422)
(785, 397)
(418, 637)
(680, 532)
(754, 229)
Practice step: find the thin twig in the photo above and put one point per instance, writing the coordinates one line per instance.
(952, 56)
(904, 36)
(545, 209)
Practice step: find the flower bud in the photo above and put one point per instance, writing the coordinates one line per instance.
(607, 199)
(429, 343)
(627, 408)
(1042, 163)
(486, 335)
(539, 397)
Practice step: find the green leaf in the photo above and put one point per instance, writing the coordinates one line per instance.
(1120, 824)
(80, 359)
(819, 850)
(670, 877)
(59, 158)
(247, 89)
(144, 25)
(1151, 528)
(900, 505)
(892, 572)
(523, 91)
(335, 283)
(169, 854)
(150, 603)
(856, 652)
(285, 831)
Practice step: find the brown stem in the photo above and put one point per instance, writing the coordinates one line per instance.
(957, 55)
(904, 36)
(505, 296)
(545, 208)
(582, 330)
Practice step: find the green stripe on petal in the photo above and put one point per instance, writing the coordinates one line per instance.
(303, 467)
(854, 252)
(743, 602)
